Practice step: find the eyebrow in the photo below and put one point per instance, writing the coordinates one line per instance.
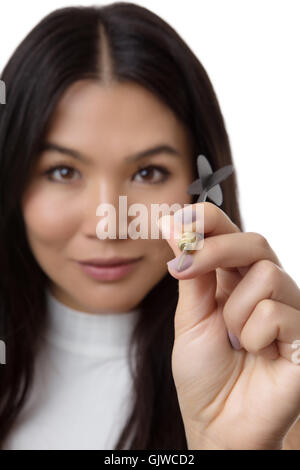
(162, 148)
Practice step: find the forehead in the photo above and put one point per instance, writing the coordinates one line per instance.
(90, 113)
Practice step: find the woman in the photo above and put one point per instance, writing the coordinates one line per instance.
(89, 91)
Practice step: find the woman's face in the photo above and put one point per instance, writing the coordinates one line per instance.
(106, 125)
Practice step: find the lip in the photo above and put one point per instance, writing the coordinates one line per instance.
(108, 272)
(109, 261)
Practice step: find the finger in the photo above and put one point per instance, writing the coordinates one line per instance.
(202, 280)
(272, 320)
(216, 221)
(230, 250)
(264, 280)
(197, 296)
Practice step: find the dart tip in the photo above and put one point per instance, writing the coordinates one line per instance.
(181, 260)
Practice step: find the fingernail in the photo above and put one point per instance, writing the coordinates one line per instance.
(187, 262)
(234, 341)
(163, 224)
(185, 215)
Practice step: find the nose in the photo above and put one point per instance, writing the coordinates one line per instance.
(101, 209)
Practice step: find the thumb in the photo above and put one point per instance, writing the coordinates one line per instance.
(197, 295)
(202, 354)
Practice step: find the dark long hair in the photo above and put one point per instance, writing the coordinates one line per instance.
(118, 42)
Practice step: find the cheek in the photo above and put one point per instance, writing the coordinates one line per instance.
(48, 218)
(158, 253)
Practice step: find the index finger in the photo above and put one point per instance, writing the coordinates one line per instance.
(216, 222)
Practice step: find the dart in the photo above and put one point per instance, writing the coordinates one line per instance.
(207, 185)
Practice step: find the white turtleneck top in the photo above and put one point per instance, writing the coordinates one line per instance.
(82, 389)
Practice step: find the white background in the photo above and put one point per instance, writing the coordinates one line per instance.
(250, 50)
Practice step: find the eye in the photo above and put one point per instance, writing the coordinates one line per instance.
(153, 174)
(64, 170)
